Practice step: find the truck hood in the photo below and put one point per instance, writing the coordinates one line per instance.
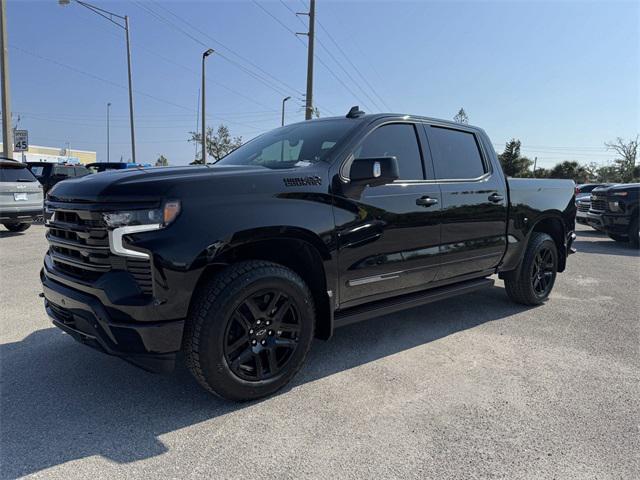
(614, 189)
(143, 184)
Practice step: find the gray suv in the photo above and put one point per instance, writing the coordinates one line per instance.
(20, 196)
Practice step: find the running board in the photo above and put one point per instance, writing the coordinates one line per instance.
(396, 304)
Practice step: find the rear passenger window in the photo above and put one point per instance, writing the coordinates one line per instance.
(395, 140)
(455, 154)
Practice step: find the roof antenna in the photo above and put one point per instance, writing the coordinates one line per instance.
(355, 112)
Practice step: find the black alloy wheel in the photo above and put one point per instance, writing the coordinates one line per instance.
(532, 282)
(543, 272)
(250, 328)
(262, 335)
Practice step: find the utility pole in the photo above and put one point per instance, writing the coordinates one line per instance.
(535, 164)
(308, 109)
(204, 117)
(7, 134)
(133, 135)
(108, 108)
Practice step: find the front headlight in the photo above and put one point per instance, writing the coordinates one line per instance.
(157, 216)
(616, 206)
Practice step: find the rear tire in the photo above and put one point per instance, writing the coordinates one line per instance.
(533, 281)
(634, 233)
(249, 330)
(16, 227)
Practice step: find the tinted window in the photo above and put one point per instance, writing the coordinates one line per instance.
(63, 171)
(38, 170)
(296, 145)
(16, 175)
(455, 154)
(395, 140)
(81, 171)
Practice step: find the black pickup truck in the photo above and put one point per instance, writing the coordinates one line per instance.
(615, 210)
(304, 229)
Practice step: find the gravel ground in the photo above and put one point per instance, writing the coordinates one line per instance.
(473, 387)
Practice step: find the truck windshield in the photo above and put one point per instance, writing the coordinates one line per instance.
(297, 145)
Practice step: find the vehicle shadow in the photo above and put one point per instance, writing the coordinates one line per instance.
(63, 402)
(7, 234)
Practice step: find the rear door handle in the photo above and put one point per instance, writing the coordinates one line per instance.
(426, 201)
(496, 198)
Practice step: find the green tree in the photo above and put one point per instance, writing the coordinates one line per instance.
(218, 145)
(513, 164)
(162, 161)
(608, 174)
(627, 153)
(570, 170)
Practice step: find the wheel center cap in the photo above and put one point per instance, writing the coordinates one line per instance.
(261, 333)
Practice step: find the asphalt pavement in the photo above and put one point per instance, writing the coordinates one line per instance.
(472, 387)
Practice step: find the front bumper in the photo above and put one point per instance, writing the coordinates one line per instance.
(149, 345)
(20, 215)
(609, 223)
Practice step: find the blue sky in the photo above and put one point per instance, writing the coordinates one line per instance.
(561, 76)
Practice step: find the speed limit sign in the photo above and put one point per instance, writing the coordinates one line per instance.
(21, 141)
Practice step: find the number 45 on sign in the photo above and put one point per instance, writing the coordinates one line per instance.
(21, 141)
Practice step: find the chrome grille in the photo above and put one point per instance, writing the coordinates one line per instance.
(599, 204)
(583, 206)
(79, 247)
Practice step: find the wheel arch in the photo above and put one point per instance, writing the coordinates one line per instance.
(553, 225)
(297, 249)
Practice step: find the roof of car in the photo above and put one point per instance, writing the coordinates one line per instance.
(371, 117)
(6, 162)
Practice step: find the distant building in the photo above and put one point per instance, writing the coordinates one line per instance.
(37, 153)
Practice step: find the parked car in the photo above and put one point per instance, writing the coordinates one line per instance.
(583, 200)
(304, 229)
(48, 174)
(583, 204)
(584, 190)
(98, 167)
(20, 196)
(615, 211)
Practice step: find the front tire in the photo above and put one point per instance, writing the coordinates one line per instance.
(249, 331)
(533, 281)
(16, 227)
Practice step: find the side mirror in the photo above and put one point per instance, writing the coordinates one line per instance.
(374, 171)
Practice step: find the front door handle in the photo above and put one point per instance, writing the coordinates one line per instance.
(426, 201)
(496, 198)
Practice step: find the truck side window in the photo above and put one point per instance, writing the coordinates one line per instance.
(455, 154)
(395, 140)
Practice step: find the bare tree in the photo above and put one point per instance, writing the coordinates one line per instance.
(219, 143)
(627, 152)
(461, 116)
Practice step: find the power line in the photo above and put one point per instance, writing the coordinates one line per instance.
(261, 78)
(338, 63)
(315, 55)
(226, 47)
(364, 79)
(144, 94)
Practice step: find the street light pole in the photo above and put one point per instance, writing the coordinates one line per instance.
(283, 100)
(108, 108)
(110, 16)
(7, 133)
(204, 117)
